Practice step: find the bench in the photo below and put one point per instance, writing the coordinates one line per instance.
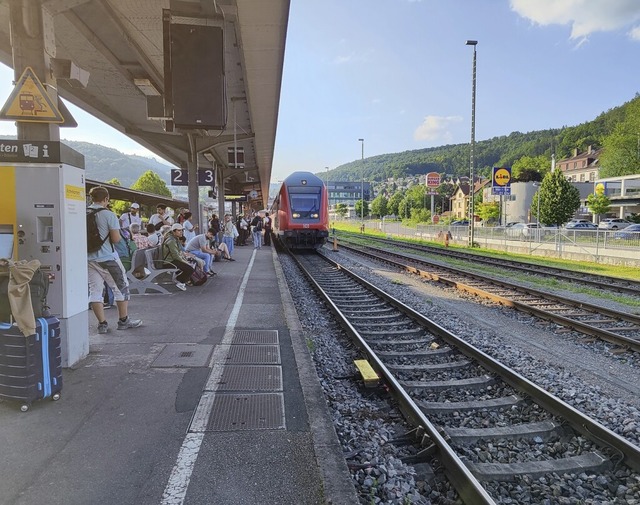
(150, 259)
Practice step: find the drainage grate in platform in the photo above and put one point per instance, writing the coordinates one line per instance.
(183, 355)
(238, 412)
(255, 337)
(250, 378)
(253, 354)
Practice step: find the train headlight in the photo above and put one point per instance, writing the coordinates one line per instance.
(314, 215)
(296, 214)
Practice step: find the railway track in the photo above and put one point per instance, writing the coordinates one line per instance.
(618, 328)
(464, 404)
(602, 282)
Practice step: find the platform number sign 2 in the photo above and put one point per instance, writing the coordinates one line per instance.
(179, 177)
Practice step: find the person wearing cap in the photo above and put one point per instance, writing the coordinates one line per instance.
(171, 253)
(133, 216)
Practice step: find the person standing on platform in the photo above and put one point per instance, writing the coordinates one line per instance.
(104, 265)
(214, 224)
(189, 227)
(267, 229)
(131, 217)
(256, 229)
(229, 232)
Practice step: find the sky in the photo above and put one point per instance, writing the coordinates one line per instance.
(398, 74)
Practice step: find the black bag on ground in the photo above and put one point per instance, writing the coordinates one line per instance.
(199, 276)
(39, 288)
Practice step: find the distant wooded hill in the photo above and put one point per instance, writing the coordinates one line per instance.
(105, 163)
(498, 151)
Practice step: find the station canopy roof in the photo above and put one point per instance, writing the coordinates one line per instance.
(120, 43)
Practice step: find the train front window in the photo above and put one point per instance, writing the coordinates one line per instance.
(305, 204)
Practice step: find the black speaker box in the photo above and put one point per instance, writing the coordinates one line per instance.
(197, 76)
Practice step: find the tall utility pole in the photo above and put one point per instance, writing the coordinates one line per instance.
(328, 199)
(472, 163)
(362, 212)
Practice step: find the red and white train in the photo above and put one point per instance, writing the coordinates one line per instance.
(300, 212)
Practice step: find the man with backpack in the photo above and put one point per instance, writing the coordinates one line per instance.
(103, 230)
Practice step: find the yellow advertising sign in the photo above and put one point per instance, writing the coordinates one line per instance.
(74, 192)
(29, 102)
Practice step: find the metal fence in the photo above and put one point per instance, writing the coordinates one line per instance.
(608, 246)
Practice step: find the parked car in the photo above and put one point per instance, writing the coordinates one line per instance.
(504, 227)
(522, 230)
(462, 222)
(582, 226)
(631, 232)
(614, 223)
(574, 222)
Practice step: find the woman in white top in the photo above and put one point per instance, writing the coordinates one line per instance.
(189, 228)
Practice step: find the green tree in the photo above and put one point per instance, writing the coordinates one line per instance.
(394, 203)
(117, 206)
(522, 169)
(379, 206)
(404, 208)
(559, 200)
(341, 209)
(488, 211)
(358, 208)
(598, 204)
(621, 153)
(150, 182)
(420, 215)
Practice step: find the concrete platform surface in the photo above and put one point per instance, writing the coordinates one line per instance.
(213, 400)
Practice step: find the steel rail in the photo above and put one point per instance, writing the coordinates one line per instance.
(466, 484)
(600, 281)
(587, 329)
(583, 424)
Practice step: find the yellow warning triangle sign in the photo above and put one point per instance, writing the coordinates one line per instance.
(30, 102)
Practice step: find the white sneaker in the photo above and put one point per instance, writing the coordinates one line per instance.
(181, 285)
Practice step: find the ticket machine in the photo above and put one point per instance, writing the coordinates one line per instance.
(43, 217)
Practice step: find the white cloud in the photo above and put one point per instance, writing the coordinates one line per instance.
(635, 33)
(584, 16)
(342, 59)
(436, 128)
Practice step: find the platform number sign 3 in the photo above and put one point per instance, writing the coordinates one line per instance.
(206, 177)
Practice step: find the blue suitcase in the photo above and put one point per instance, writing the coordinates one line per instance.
(31, 367)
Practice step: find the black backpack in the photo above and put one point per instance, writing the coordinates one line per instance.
(94, 240)
(259, 225)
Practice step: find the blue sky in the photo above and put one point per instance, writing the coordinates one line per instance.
(398, 74)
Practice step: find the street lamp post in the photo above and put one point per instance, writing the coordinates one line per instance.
(362, 211)
(472, 162)
(327, 169)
